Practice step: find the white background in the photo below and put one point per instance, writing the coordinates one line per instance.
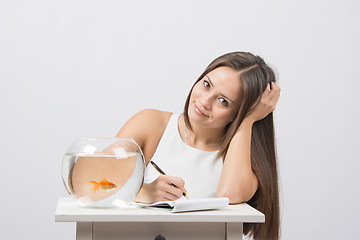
(82, 68)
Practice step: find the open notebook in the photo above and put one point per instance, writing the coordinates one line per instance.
(184, 205)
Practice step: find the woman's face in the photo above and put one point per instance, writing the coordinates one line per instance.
(215, 99)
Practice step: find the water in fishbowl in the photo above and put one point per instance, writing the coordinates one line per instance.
(103, 179)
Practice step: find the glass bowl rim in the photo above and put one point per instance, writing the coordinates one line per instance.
(110, 138)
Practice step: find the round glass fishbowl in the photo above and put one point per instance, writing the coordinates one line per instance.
(103, 172)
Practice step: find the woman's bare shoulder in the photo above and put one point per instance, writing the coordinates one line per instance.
(153, 117)
(145, 125)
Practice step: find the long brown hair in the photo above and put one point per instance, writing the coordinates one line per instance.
(254, 75)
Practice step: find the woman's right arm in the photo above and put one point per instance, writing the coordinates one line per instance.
(146, 128)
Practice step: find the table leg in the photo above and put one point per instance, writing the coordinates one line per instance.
(84, 230)
(234, 231)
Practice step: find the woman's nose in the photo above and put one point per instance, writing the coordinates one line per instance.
(206, 101)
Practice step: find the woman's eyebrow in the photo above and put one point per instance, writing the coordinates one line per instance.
(220, 93)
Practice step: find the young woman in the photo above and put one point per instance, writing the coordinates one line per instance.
(222, 145)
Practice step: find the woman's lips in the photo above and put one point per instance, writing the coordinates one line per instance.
(199, 112)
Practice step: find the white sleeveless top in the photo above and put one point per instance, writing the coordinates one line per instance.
(199, 169)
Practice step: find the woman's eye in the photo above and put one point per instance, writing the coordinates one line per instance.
(206, 84)
(224, 102)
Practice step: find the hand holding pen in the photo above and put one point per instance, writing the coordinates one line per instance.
(163, 173)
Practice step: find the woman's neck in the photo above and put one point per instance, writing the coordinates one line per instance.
(208, 139)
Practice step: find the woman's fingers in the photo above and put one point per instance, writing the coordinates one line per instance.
(169, 197)
(275, 94)
(170, 187)
(270, 93)
(271, 96)
(176, 186)
(276, 98)
(266, 92)
(173, 193)
(178, 182)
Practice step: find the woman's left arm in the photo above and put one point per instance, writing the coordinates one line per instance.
(237, 181)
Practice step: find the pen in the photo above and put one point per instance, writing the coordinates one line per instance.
(163, 173)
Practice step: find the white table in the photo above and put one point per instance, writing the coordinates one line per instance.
(146, 223)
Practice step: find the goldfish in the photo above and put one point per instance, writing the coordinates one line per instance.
(103, 184)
